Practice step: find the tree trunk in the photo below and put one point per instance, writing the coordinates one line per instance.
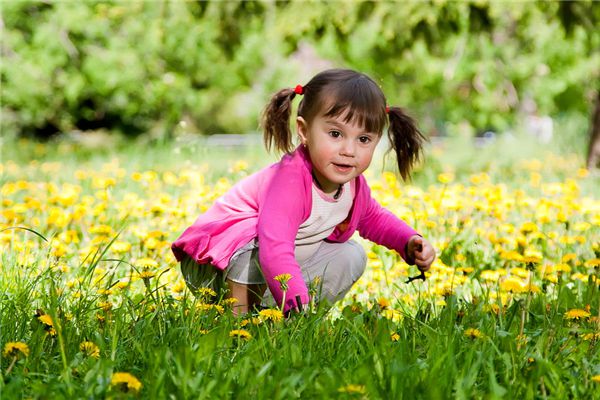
(593, 159)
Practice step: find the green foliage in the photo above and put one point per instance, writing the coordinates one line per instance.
(145, 66)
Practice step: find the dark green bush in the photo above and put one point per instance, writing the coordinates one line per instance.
(145, 66)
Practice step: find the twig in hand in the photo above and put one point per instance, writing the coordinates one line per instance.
(299, 303)
(414, 278)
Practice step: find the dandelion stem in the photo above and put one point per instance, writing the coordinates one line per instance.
(12, 364)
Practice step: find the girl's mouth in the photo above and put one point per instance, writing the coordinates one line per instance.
(342, 167)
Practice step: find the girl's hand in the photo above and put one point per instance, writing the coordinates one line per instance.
(421, 251)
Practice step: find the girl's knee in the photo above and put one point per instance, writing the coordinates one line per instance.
(356, 259)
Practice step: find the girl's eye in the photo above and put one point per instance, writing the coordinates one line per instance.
(365, 139)
(335, 134)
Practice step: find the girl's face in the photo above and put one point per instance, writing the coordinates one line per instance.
(339, 151)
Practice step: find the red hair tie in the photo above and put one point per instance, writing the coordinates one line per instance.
(299, 89)
(387, 109)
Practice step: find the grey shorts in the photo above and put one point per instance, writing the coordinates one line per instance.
(337, 266)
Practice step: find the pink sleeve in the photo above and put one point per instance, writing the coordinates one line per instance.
(284, 208)
(381, 226)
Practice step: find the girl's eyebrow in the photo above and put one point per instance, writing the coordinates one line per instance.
(342, 126)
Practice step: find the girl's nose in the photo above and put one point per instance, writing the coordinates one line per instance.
(348, 148)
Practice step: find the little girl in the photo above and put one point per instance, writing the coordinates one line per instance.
(297, 216)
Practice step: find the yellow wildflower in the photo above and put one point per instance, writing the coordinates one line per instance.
(146, 263)
(271, 314)
(383, 303)
(596, 378)
(15, 349)
(147, 274)
(394, 336)
(445, 178)
(89, 349)
(283, 280)
(513, 284)
(240, 334)
(206, 291)
(473, 333)
(126, 382)
(353, 389)
(48, 324)
(577, 313)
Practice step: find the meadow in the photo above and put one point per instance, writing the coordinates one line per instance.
(92, 303)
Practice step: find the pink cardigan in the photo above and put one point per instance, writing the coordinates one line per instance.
(271, 205)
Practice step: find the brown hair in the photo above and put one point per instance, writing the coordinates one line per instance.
(356, 97)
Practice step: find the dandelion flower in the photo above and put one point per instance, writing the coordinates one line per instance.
(205, 291)
(383, 303)
(596, 378)
(513, 284)
(473, 333)
(147, 274)
(353, 389)
(283, 280)
(89, 349)
(394, 337)
(105, 305)
(125, 382)
(146, 263)
(15, 349)
(271, 315)
(576, 313)
(445, 178)
(48, 324)
(240, 334)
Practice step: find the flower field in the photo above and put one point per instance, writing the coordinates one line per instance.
(92, 303)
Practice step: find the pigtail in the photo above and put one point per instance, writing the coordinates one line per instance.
(276, 121)
(405, 139)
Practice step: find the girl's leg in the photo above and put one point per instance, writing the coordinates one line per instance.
(336, 267)
(198, 276)
(248, 296)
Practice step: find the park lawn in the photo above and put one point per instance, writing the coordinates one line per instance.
(92, 303)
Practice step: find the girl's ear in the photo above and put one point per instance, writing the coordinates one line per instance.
(302, 128)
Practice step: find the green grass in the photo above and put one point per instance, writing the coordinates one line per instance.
(527, 349)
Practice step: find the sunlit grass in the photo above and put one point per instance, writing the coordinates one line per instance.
(93, 305)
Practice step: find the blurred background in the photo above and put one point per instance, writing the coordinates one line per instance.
(159, 71)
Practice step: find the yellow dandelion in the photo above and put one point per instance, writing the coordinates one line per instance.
(596, 378)
(528, 227)
(121, 247)
(230, 301)
(353, 389)
(15, 349)
(569, 257)
(240, 334)
(594, 262)
(147, 274)
(591, 336)
(577, 314)
(126, 382)
(513, 284)
(105, 305)
(203, 331)
(383, 303)
(445, 178)
(208, 292)
(146, 263)
(394, 336)
(271, 314)
(283, 280)
(473, 333)
(89, 349)
(48, 324)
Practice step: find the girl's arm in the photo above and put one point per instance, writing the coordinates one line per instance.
(282, 211)
(381, 226)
